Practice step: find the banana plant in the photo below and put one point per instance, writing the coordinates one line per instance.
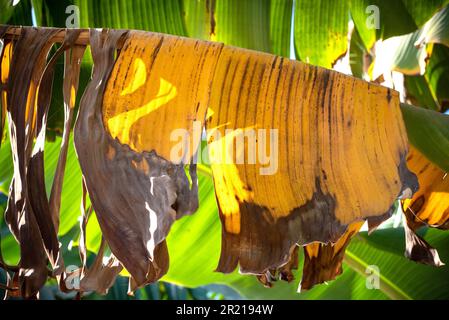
(197, 145)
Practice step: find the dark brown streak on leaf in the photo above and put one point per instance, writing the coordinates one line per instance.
(103, 44)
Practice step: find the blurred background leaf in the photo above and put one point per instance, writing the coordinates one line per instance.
(428, 131)
(320, 31)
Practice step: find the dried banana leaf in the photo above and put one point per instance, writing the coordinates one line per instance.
(24, 106)
(28, 213)
(158, 83)
(428, 207)
(323, 262)
(339, 156)
(72, 57)
(328, 153)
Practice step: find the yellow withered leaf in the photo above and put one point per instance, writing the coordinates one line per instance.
(323, 262)
(336, 155)
(430, 204)
(428, 207)
(160, 84)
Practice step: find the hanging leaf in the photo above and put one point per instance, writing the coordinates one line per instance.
(24, 214)
(161, 191)
(310, 109)
(429, 206)
(323, 262)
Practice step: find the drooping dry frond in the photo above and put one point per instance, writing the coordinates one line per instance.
(341, 144)
(27, 98)
(428, 207)
(323, 262)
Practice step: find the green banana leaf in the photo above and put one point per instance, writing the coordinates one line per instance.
(258, 25)
(426, 79)
(395, 17)
(408, 53)
(437, 75)
(321, 27)
(431, 90)
(357, 55)
(419, 92)
(428, 131)
(321, 31)
(15, 13)
(436, 30)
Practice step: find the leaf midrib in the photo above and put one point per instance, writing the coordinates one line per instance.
(387, 286)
